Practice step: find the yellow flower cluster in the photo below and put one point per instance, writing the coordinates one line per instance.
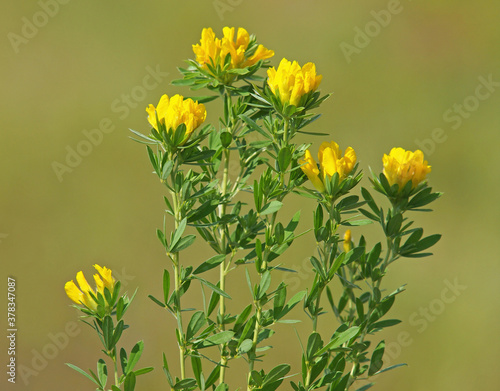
(292, 82)
(212, 50)
(82, 295)
(331, 161)
(175, 111)
(402, 166)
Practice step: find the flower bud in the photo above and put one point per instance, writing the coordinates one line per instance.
(347, 241)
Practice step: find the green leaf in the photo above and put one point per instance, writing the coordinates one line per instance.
(212, 287)
(252, 125)
(117, 333)
(213, 377)
(374, 255)
(340, 339)
(195, 324)
(186, 383)
(264, 284)
(166, 285)
(123, 360)
(339, 261)
(383, 324)
(384, 306)
(157, 301)
(277, 373)
(222, 387)
(178, 233)
(197, 369)
(119, 308)
(271, 207)
(219, 338)
(319, 268)
(366, 387)
(242, 317)
(183, 243)
(284, 158)
(314, 343)
(135, 355)
(226, 138)
(279, 299)
(354, 255)
(210, 264)
(102, 372)
(167, 169)
(107, 332)
(204, 98)
(389, 368)
(143, 371)
(245, 346)
(152, 158)
(427, 242)
(376, 361)
(394, 224)
(83, 373)
(167, 371)
(297, 298)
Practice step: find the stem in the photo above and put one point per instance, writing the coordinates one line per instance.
(115, 366)
(256, 332)
(285, 131)
(223, 266)
(308, 376)
(178, 284)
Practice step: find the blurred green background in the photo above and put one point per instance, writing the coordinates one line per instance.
(69, 67)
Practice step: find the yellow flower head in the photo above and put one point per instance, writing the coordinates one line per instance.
(402, 166)
(212, 50)
(83, 294)
(347, 241)
(175, 111)
(331, 161)
(292, 82)
(107, 280)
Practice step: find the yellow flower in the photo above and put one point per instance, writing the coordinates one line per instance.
(175, 111)
(107, 280)
(347, 241)
(212, 50)
(331, 161)
(292, 82)
(402, 166)
(83, 295)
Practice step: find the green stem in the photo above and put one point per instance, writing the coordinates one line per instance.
(308, 376)
(115, 366)
(223, 266)
(178, 284)
(286, 129)
(256, 332)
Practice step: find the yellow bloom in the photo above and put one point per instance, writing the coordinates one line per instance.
(82, 295)
(212, 50)
(107, 280)
(402, 166)
(347, 241)
(292, 82)
(331, 161)
(175, 111)
(310, 168)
